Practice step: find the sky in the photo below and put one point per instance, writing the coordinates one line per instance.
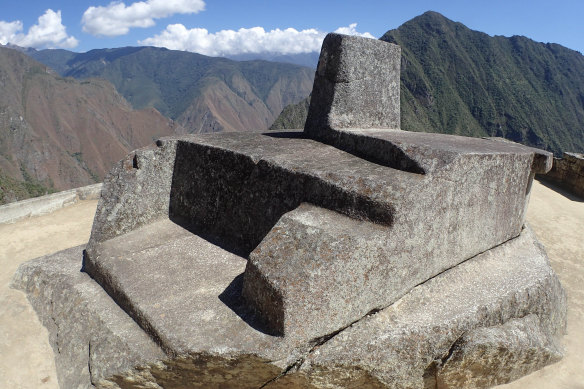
(231, 27)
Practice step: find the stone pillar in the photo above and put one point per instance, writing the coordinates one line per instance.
(357, 85)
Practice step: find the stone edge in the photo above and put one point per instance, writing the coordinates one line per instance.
(12, 212)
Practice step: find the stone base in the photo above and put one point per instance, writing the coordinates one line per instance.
(487, 321)
(330, 235)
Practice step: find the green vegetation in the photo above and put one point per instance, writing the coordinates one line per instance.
(458, 81)
(54, 58)
(293, 116)
(79, 158)
(15, 190)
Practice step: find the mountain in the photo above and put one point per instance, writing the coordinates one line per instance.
(56, 59)
(303, 59)
(58, 133)
(293, 116)
(203, 94)
(458, 81)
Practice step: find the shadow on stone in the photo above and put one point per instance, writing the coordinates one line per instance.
(379, 151)
(232, 191)
(233, 299)
(208, 236)
(288, 134)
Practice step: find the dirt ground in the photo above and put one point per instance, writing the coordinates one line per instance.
(26, 359)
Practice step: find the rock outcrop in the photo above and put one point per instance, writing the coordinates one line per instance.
(352, 254)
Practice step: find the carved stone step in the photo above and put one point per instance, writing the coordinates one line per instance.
(182, 290)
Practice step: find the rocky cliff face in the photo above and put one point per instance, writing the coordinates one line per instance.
(63, 133)
(234, 106)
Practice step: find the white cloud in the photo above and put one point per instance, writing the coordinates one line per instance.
(352, 30)
(9, 31)
(117, 18)
(243, 41)
(49, 32)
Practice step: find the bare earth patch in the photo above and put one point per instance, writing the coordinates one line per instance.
(26, 359)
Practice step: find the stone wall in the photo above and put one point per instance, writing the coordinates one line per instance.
(9, 213)
(568, 172)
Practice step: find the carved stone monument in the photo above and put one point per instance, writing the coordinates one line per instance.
(352, 254)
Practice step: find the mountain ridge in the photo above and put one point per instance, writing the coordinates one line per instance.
(474, 84)
(459, 81)
(184, 86)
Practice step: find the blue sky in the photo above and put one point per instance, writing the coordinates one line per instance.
(225, 27)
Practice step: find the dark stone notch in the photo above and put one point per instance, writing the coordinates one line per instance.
(233, 200)
(89, 369)
(135, 162)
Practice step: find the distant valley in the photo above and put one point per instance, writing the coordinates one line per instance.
(64, 128)
(304, 59)
(203, 94)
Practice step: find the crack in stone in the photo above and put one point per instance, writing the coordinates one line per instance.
(296, 365)
(89, 362)
(316, 343)
(458, 264)
(52, 316)
(445, 358)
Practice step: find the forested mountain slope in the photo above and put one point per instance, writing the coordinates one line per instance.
(458, 81)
